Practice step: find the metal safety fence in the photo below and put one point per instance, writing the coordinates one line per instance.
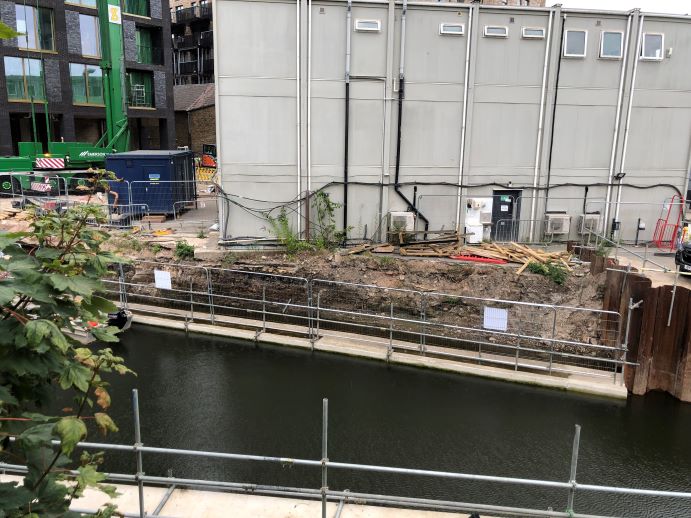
(326, 465)
(542, 338)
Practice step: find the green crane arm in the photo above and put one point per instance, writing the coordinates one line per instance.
(113, 67)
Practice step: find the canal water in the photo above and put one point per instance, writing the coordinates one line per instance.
(208, 393)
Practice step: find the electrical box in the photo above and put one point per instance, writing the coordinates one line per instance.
(401, 222)
(558, 224)
(589, 223)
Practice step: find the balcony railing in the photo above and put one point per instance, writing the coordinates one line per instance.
(185, 42)
(188, 67)
(198, 12)
(206, 38)
(207, 66)
(148, 55)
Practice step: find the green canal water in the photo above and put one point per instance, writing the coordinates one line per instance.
(201, 392)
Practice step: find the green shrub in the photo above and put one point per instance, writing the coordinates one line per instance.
(554, 271)
(280, 227)
(183, 250)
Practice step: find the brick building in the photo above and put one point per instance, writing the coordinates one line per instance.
(58, 60)
(195, 117)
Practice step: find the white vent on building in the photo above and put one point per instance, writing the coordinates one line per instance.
(368, 25)
(558, 224)
(452, 29)
(401, 222)
(533, 33)
(496, 31)
(589, 223)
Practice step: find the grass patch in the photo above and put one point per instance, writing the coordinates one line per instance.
(551, 270)
(183, 250)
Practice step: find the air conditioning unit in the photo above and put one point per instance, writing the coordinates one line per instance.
(558, 224)
(589, 223)
(486, 217)
(401, 222)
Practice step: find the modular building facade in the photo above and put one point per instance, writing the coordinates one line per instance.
(529, 124)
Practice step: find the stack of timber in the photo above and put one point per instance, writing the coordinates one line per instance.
(452, 247)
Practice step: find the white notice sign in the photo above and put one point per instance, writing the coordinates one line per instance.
(162, 280)
(496, 319)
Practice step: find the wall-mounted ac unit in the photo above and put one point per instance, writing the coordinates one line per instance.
(558, 224)
(401, 222)
(589, 223)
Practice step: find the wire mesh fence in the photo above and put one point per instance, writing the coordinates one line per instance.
(518, 335)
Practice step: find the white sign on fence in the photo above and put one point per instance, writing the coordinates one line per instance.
(496, 319)
(162, 280)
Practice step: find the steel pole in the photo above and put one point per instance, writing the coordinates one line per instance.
(574, 465)
(138, 452)
(325, 456)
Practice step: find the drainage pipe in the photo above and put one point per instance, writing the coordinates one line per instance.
(540, 127)
(346, 126)
(464, 118)
(401, 95)
(298, 99)
(617, 122)
(628, 112)
(309, 117)
(554, 106)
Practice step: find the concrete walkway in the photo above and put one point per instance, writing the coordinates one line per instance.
(190, 503)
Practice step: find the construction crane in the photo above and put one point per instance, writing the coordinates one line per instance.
(59, 164)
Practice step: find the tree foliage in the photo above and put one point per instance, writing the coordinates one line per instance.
(7, 32)
(51, 290)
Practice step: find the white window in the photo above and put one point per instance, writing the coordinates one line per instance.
(575, 43)
(533, 33)
(653, 46)
(453, 29)
(496, 31)
(611, 44)
(368, 25)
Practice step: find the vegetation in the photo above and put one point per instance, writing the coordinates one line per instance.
(183, 250)
(50, 281)
(603, 248)
(156, 248)
(386, 262)
(281, 228)
(201, 234)
(552, 270)
(7, 32)
(229, 259)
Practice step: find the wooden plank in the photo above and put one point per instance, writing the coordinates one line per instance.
(522, 268)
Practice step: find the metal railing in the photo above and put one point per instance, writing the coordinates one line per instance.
(571, 486)
(541, 338)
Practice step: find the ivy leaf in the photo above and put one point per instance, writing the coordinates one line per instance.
(105, 423)
(6, 398)
(106, 334)
(102, 398)
(75, 375)
(71, 430)
(88, 476)
(6, 295)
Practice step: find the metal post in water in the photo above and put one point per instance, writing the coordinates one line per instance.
(325, 456)
(138, 453)
(574, 465)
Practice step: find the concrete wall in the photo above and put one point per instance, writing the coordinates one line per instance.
(533, 117)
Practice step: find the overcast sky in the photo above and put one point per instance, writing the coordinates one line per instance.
(651, 6)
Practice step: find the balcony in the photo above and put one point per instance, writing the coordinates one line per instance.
(189, 14)
(148, 55)
(185, 42)
(207, 66)
(206, 39)
(187, 67)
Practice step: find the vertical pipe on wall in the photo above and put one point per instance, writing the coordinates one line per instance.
(298, 126)
(464, 117)
(617, 123)
(309, 118)
(540, 126)
(388, 102)
(628, 112)
(555, 103)
(346, 125)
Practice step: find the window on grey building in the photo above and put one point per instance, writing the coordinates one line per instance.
(91, 40)
(533, 33)
(24, 79)
(575, 43)
(653, 46)
(453, 29)
(611, 44)
(87, 83)
(85, 3)
(496, 31)
(35, 27)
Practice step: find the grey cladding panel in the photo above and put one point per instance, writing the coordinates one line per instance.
(129, 36)
(9, 17)
(258, 39)
(52, 71)
(155, 9)
(328, 61)
(160, 89)
(368, 49)
(674, 72)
